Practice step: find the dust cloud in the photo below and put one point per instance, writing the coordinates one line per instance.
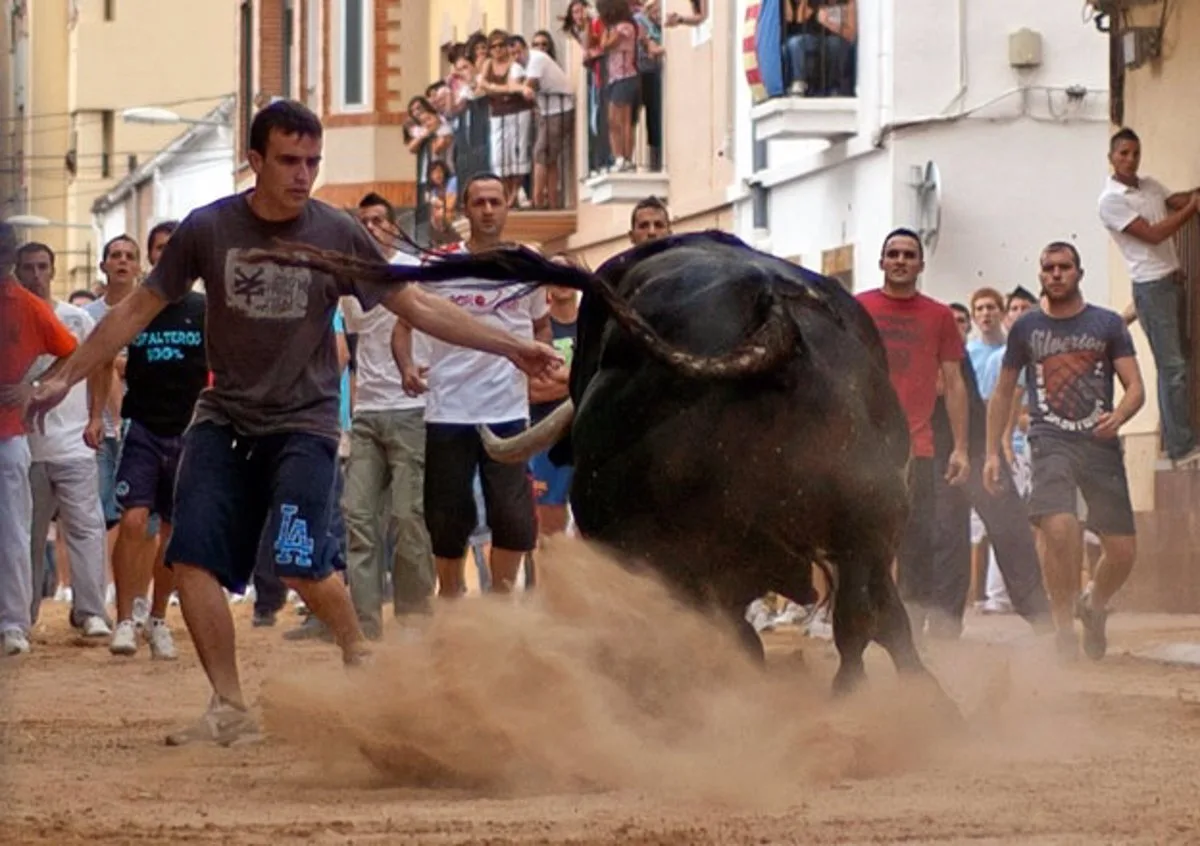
(601, 680)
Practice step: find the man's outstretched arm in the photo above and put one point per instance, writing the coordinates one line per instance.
(115, 331)
(447, 322)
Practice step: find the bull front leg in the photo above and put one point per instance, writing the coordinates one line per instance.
(853, 622)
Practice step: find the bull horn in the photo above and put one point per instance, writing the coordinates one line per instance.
(539, 438)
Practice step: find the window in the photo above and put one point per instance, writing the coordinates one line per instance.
(354, 60)
(312, 59)
(246, 84)
(289, 40)
(107, 142)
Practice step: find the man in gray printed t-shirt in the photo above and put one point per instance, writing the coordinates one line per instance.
(259, 458)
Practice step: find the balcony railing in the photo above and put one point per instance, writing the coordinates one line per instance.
(804, 75)
(529, 145)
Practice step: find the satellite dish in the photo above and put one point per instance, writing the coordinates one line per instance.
(929, 206)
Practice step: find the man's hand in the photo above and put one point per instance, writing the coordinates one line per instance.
(45, 397)
(415, 381)
(93, 433)
(1107, 425)
(992, 481)
(958, 468)
(536, 359)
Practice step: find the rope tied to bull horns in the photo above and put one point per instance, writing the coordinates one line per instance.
(507, 265)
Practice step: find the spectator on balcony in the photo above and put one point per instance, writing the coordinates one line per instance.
(511, 121)
(548, 84)
(586, 30)
(441, 196)
(477, 50)
(819, 50)
(649, 62)
(622, 87)
(430, 135)
(470, 121)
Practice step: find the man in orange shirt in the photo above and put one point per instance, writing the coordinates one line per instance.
(28, 329)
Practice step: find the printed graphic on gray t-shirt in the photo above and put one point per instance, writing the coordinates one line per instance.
(1068, 366)
(269, 329)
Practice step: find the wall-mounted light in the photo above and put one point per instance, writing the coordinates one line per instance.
(1140, 44)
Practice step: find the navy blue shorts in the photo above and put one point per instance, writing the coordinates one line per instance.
(234, 491)
(146, 473)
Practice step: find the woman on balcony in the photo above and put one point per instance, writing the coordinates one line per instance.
(587, 30)
(511, 122)
(623, 88)
(819, 52)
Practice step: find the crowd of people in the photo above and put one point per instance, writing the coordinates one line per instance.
(308, 430)
(507, 105)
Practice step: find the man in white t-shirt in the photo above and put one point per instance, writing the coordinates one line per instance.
(64, 476)
(386, 468)
(466, 388)
(121, 263)
(1142, 217)
(549, 84)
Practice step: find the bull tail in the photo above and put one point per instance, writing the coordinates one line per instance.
(768, 345)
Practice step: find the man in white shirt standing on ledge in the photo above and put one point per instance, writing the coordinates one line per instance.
(1143, 217)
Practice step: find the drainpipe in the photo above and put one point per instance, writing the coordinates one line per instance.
(962, 57)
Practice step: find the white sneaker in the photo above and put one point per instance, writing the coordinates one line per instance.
(124, 639)
(162, 645)
(141, 611)
(15, 642)
(95, 627)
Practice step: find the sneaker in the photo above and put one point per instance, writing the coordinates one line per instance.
(124, 639)
(15, 642)
(141, 611)
(94, 626)
(222, 724)
(162, 645)
(1095, 641)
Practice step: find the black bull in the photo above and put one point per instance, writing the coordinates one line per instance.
(733, 425)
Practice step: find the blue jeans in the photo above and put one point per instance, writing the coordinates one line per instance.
(1158, 303)
(821, 61)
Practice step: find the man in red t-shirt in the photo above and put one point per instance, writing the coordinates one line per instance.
(29, 329)
(924, 348)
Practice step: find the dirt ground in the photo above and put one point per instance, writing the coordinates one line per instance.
(599, 713)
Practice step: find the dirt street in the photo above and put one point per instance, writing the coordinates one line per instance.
(600, 713)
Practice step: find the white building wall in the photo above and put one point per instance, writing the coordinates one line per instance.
(199, 175)
(111, 223)
(1017, 173)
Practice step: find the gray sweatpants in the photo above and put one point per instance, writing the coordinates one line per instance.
(16, 513)
(72, 488)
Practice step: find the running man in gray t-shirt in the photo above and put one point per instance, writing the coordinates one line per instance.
(259, 457)
(1070, 353)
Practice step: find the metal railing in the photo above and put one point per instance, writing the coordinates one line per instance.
(529, 144)
(820, 65)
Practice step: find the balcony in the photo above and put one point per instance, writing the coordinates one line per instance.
(531, 150)
(805, 118)
(803, 74)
